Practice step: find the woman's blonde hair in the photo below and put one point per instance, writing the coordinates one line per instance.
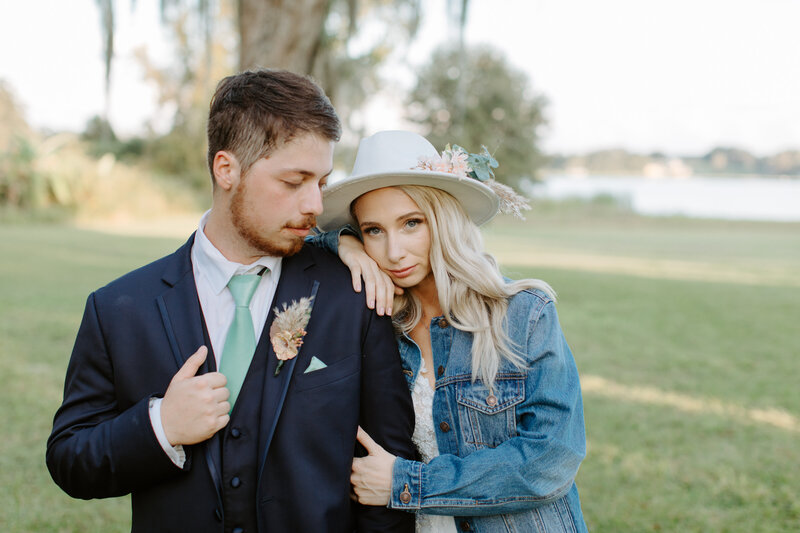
(472, 293)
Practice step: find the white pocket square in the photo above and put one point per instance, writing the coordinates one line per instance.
(315, 364)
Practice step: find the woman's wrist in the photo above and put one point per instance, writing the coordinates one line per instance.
(406, 492)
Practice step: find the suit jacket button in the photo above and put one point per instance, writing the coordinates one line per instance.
(491, 400)
(442, 323)
(444, 426)
(218, 514)
(235, 482)
(237, 530)
(235, 433)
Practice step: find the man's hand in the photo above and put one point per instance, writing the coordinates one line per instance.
(371, 476)
(194, 407)
(379, 287)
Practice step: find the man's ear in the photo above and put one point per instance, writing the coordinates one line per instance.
(227, 170)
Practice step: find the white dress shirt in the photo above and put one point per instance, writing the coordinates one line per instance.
(212, 272)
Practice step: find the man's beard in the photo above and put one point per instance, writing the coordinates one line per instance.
(251, 235)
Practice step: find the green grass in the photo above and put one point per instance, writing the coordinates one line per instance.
(651, 465)
(46, 273)
(658, 466)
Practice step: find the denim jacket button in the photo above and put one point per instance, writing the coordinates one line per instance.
(465, 526)
(442, 323)
(440, 371)
(491, 400)
(405, 496)
(444, 426)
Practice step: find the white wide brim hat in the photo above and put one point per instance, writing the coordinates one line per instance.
(390, 158)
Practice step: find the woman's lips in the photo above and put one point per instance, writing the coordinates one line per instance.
(405, 272)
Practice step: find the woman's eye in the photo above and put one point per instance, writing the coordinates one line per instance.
(371, 231)
(413, 223)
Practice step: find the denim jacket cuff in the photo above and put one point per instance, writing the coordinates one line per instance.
(329, 240)
(406, 485)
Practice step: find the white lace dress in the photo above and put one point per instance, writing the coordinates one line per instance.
(425, 441)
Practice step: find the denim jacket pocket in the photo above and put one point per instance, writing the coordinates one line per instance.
(488, 417)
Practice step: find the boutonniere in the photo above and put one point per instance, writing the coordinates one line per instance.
(288, 329)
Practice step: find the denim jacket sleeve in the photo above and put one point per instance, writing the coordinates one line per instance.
(329, 240)
(533, 468)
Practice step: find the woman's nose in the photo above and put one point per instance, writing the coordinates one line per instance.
(395, 250)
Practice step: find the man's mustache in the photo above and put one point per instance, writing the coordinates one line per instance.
(308, 222)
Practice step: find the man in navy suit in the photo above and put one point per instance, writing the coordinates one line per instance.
(146, 410)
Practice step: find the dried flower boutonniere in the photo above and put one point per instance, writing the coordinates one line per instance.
(288, 329)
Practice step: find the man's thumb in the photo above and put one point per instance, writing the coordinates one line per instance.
(366, 441)
(193, 364)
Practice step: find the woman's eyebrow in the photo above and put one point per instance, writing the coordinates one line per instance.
(401, 217)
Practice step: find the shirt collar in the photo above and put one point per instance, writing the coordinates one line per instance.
(216, 268)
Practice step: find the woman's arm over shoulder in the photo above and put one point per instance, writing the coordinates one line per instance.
(533, 468)
(329, 240)
(378, 286)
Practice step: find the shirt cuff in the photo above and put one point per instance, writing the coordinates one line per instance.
(406, 485)
(175, 453)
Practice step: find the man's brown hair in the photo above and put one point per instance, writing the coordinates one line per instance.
(253, 112)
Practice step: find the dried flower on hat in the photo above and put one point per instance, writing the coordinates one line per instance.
(458, 162)
(511, 203)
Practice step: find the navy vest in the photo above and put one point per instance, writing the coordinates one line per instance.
(239, 446)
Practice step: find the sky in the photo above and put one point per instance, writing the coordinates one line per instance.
(677, 76)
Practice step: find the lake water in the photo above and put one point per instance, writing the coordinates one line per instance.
(767, 198)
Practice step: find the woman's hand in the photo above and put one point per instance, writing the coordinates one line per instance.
(379, 287)
(371, 476)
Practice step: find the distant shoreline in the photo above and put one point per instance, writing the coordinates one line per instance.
(557, 173)
(766, 198)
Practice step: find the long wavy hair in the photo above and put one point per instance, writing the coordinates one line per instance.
(472, 293)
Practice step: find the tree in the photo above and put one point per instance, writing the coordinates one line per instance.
(340, 43)
(17, 152)
(106, 8)
(280, 34)
(309, 36)
(359, 36)
(305, 36)
(500, 109)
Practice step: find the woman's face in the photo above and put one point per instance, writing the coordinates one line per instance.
(396, 235)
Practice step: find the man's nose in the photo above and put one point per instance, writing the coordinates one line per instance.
(311, 203)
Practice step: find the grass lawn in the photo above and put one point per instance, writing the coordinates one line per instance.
(684, 332)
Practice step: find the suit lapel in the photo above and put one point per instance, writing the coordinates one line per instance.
(180, 307)
(183, 323)
(295, 283)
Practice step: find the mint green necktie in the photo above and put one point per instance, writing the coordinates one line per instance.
(241, 341)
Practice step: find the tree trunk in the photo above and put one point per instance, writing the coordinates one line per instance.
(280, 33)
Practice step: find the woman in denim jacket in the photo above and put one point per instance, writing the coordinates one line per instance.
(499, 418)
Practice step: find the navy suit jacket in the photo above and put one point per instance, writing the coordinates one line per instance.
(138, 331)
